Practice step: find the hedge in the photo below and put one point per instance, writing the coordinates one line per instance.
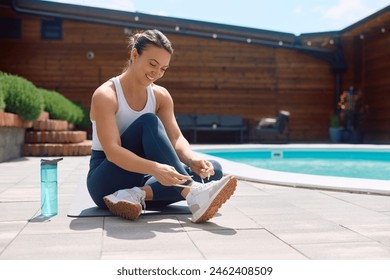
(21, 97)
(61, 108)
(2, 98)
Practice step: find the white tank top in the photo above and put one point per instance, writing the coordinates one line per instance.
(125, 116)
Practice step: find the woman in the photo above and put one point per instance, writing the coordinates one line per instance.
(138, 150)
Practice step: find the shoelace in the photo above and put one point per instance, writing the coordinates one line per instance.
(203, 183)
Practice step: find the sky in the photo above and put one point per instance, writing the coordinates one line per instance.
(291, 16)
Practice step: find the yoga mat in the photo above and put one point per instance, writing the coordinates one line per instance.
(83, 206)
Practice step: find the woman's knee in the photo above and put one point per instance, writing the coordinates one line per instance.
(148, 119)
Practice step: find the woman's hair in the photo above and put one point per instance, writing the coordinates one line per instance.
(142, 40)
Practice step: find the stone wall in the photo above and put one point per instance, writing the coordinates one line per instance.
(11, 142)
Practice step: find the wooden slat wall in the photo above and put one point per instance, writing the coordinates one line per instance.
(209, 76)
(206, 76)
(369, 60)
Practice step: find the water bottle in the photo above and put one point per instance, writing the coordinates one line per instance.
(49, 187)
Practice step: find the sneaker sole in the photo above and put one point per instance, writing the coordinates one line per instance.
(225, 193)
(123, 209)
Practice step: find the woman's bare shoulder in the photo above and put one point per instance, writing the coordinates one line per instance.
(105, 92)
(161, 93)
(103, 100)
(163, 99)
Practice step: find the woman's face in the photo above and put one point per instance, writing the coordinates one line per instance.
(151, 65)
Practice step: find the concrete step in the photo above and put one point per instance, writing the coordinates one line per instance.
(57, 149)
(55, 136)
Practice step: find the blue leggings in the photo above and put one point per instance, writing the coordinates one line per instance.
(147, 138)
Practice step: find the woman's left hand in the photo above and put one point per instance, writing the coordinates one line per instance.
(202, 167)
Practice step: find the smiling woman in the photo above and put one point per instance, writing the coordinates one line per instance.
(138, 150)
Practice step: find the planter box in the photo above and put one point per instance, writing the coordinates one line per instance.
(335, 134)
(13, 120)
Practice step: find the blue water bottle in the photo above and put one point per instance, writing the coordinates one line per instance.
(49, 187)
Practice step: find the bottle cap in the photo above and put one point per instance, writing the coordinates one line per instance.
(50, 161)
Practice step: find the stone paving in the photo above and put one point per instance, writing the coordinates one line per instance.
(261, 221)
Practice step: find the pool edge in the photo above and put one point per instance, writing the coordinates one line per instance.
(331, 183)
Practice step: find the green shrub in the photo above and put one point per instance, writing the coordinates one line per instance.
(85, 122)
(2, 98)
(21, 97)
(2, 102)
(334, 121)
(61, 108)
(2, 92)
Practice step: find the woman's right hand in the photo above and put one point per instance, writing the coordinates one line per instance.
(168, 176)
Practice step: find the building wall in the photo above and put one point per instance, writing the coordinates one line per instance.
(206, 76)
(367, 49)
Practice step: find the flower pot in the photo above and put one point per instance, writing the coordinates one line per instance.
(335, 134)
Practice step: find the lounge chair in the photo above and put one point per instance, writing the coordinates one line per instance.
(273, 127)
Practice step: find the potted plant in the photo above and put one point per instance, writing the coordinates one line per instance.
(335, 129)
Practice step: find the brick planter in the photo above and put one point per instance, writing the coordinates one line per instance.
(53, 138)
(54, 150)
(42, 138)
(13, 120)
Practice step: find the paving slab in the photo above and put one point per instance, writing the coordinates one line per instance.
(56, 246)
(243, 244)
(345, 251)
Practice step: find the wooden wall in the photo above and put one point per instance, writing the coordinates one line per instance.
(206, 75)
(254, 81)
(367, 49)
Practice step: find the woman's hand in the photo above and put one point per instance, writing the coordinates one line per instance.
(168, 176)
(202, 167)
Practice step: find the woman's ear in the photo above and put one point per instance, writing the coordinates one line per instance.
(133, 54)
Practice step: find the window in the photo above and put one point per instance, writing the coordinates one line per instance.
(51, 29)
(10, 28)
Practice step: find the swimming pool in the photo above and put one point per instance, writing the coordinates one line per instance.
(358, 168)
(353, 163)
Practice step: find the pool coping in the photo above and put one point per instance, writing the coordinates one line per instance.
(249, 173)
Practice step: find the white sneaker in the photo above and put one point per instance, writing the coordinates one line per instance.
(204, 200)
(126, 203)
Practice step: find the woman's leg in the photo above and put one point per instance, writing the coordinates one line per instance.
(104, 178)
(147, 138)
(157, 147)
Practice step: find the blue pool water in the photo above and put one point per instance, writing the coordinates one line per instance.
(368, 164)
